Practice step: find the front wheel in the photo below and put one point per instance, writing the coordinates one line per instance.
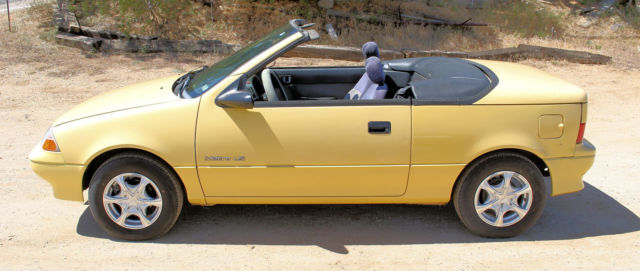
(135, 197)
(500, 196)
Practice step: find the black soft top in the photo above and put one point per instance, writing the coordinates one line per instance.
(441, 80)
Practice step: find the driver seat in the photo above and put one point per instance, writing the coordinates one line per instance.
(371, 85)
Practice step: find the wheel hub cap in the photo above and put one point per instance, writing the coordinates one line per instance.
(503, 198)
(132, 201)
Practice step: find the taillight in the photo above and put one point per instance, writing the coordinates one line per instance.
(580, 133)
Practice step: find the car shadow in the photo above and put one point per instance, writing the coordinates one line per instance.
(584, 214)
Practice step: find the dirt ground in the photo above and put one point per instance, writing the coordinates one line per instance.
(595, 229)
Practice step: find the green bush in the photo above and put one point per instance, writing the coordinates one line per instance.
(174, 19)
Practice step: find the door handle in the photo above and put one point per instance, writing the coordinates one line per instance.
(379, 127)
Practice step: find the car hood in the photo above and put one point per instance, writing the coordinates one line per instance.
(521, 84)
(137, 95)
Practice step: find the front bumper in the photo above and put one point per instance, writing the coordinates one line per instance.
(567, 173)
(65, 179)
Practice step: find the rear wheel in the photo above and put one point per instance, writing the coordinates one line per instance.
(501, 195)
(135, 197)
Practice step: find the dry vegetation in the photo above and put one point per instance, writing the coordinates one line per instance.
(30, 58)
(241, 21)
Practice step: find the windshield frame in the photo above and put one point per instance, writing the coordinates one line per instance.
(248, 58)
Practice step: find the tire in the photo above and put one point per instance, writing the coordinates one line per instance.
(129, 187)
(518, 206)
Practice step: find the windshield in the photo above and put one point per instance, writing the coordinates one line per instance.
(209, 77)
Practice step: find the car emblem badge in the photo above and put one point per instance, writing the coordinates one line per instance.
(224, 158)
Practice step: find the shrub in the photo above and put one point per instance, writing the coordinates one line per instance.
(173, 19)
(523, 18)
(42, 10)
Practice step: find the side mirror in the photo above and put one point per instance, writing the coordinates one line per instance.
(235, 99)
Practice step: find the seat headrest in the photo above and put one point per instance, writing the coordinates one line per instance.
(370, 49)
(374, 69)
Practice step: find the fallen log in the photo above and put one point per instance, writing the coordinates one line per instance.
(337, 52)
(101, 34)
(154, 46)
(82, 42)
(91, 39)
(66, 22)
(568, 55)
(144, 46)
(427, 53)
(498, 54)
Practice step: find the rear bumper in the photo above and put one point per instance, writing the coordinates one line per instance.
(65, 179)
(567, 173)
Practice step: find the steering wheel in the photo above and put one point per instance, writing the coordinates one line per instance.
(268, 76)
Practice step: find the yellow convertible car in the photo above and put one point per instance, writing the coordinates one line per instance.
(480, 134)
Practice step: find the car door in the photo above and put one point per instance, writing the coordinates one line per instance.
(304, 148)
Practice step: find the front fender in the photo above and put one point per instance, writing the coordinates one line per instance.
(166, 130)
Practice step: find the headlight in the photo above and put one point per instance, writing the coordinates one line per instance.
(49, 142)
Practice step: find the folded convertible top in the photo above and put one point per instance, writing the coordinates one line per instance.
(440, 80)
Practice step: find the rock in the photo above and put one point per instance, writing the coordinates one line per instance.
(326, 3)
(332, 32)
(607, 4)
(616, 27)
(587, 21)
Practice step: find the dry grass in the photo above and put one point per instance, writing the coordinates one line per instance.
(241, 21)
(510, 22)
(353, 32)
(30, 48)
(46, 67)
(44, 12)
(525, 19)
